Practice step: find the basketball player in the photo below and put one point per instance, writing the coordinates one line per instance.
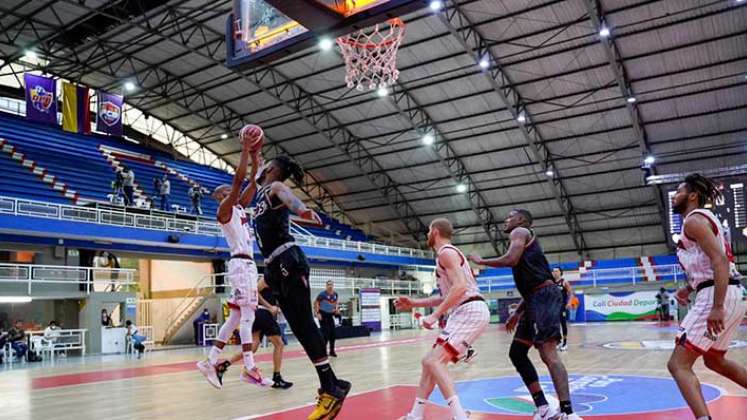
(719, 308)
(538, 314)
(242, 272)
(264, 325)
(287, 273)
(566, 292)
(468, 318)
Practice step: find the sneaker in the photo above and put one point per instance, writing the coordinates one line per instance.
(546, 412)
(563, 347)
(572, 416)
(254, 377)
(279, 383)
(328, 405)
(208, 371)
(221, 368)
(332, 354)
(470, 355)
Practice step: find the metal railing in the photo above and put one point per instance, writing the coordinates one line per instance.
(33, 208)
(189, 303)
(89, 279)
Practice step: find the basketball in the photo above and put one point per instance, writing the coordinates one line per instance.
(252, 135)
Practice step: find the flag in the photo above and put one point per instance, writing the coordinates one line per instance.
(109, 114)
(41, 99)
(76, 114)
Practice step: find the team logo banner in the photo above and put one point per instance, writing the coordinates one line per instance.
(109, 114)
(41, 99)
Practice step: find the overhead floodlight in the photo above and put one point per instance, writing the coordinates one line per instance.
(129, 86)
(436, 5)
(15, 299)
(461, 188)
(484, 63)
(632, 99)
(604, 31)
(224, 136)
(522, 118)
(325, 44)
(428, 139)
(649, 160)
(30, 55)
(382, 91)
(549, 172)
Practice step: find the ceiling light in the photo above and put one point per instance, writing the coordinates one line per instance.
(549, 172)
(325, 44)
(382, 91)
(224, 136)
(632, 99)
(604, 31)
(521, 118)
(461, 188)
(30, 55)
(428, 139)
(650, 159)
(436, 5)
(129, 86)
(484, 63)
(15, 299)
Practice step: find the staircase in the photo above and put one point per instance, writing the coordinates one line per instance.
(109, 155)
(186, 309)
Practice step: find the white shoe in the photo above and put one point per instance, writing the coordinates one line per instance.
(254, 377)
(547, 412)
(563, 347)
(572, 416)
(208, 371)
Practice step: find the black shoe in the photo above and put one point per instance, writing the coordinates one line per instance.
(220, 369)
(279, 383)
(332, 354)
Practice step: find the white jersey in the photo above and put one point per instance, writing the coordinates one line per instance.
(443, 280)
(237, 234)
(693, 260)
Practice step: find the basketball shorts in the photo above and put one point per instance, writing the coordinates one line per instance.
(265, 324)
(541, 319)
(693, 332)
(242, 276)
(465, 325)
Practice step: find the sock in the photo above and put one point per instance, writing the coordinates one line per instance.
(539, 398)
(213, 355)
(456, 408)
(248, 360)
(565, 407)
(327, 377)
(418, 408)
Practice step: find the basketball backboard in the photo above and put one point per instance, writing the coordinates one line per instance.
(261, 31)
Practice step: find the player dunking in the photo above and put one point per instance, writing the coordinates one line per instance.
(242, 272)
(469, 316)
(287, 273)
(538, 315)
(710, 324)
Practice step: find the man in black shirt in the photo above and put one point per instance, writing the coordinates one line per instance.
(538, 315)
(662, 304)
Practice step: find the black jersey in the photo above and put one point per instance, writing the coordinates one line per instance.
(561, 285)
(269, 296)
(271, 222)
(532, 269)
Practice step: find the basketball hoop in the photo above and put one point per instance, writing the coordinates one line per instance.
(371, 55)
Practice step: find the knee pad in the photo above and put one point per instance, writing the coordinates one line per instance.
(519, 355)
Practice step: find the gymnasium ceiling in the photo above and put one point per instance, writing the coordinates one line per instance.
(683, 61)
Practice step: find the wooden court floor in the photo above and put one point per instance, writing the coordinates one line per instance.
(617, 372)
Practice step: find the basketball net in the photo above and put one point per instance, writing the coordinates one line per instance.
(371, 55)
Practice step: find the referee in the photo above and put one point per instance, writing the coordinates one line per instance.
(326, 308)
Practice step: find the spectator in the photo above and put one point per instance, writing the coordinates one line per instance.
(106, 320)
(128, 185)
(164, 191)
(662, 307)
(109, 261)
(137, 340)
(17, 339)
(116, 195)
(195, 193)
(326, 308)
(52, 332)
(203, 318)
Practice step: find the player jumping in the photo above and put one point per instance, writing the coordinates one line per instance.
(468, 318)
(538, 315)
(719, 308)
(242, 272)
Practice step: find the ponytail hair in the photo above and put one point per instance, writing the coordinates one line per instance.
(706, 189)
